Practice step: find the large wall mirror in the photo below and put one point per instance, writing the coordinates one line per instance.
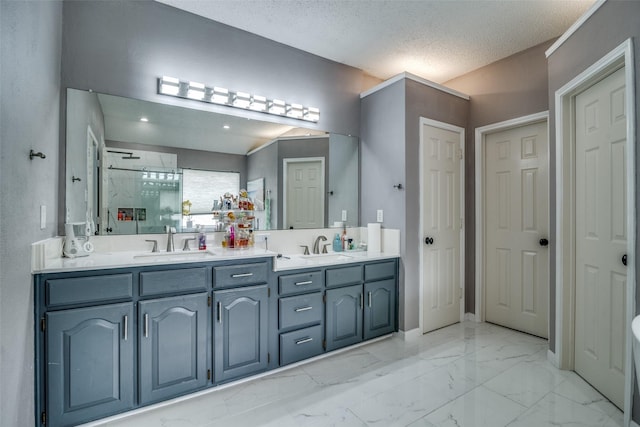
(134, 167)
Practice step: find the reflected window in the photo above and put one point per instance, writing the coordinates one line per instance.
(201, 188)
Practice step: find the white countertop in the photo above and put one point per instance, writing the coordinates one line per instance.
(124, 259)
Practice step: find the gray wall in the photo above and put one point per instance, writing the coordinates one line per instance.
(30, 38)
(512, 87)
(612, 24)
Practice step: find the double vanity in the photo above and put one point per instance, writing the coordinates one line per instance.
(120, 331)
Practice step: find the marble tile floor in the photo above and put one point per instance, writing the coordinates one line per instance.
(465, 375)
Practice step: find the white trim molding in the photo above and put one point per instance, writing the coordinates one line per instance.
(480, 135)
(573, 28)
(417, 79)
(621, 56)
(411, 334)
(453, 128)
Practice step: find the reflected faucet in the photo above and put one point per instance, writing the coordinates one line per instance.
(170, 231)
(316, 244)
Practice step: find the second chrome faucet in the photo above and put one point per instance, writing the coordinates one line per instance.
(316, 244)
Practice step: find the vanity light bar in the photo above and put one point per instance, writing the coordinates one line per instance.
(218, 95)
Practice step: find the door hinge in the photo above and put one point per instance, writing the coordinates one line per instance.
(459, 293)
(43, 325)
(43, 418)
(208, 374)
(209, 301)
(460, 155)
(268, 357)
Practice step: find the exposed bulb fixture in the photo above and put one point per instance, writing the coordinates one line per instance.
(144, 119)
(218, 95)
(226, 127)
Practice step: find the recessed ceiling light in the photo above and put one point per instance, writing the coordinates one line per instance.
(226, 127)
(144, 119)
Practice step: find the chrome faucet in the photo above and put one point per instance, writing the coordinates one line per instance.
(316, 244)
(170, 231)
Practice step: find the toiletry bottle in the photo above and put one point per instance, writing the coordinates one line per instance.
(202, 239)
(344, 238)
(232, 235)
(337, 243)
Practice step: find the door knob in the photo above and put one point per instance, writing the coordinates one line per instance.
(544, 242)
(428, 240)
(624, 259)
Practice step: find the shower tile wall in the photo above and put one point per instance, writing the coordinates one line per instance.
(157, 192)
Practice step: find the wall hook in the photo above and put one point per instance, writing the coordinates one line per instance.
(398, 186)
(75, 178)
(33, 154)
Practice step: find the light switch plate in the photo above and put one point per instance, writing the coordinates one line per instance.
(344, 215)
(379, 216)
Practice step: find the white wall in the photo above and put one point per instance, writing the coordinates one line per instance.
(30, 49)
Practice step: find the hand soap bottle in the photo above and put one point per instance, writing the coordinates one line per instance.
(337, 243)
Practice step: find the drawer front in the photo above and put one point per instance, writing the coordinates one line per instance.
(344, 275)
(303, 282)
(171, 281)
(379, 271)
(81, 290)
(301, 344)
(240, 275)
(300, 310)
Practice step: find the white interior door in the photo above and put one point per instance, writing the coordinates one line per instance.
(304, 193)
(601, 236)
(441, 226)
(516, 228)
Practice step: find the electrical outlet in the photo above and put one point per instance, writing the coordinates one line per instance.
(379, 216)
(43, 217)
(344, 215)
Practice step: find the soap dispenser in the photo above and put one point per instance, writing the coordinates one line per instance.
(337, 243)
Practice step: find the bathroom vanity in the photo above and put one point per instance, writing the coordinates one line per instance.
(112, 337)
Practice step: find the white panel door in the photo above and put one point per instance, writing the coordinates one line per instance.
(601, 236)
(516, 212)
(304, 194)
(441, 223)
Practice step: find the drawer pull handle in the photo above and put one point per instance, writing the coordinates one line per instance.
(304, 341)
(298, 310)
(306, 282)
(146, 325)
(126, 327)
(236, 276)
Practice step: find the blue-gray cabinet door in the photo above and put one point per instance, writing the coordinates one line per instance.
(172, 346)
(380, 308)
(344, 316)
(240, 332)
(89, 363)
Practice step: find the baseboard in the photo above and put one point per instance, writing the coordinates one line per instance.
(553, 358)
(411, 334)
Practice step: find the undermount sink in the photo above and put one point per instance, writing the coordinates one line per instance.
(332, 257)
(176, 254)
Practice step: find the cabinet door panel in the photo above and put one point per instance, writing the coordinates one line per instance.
(380, 308)
(89, 363)
(240, 332)
(173, 346)
(344, 316)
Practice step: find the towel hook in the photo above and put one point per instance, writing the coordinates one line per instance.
(398, 186)
(33, 154)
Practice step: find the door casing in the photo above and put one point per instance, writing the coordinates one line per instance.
(566, 210)
(461, 130)
(480, 136)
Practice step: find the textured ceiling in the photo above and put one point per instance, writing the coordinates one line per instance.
(436, 40)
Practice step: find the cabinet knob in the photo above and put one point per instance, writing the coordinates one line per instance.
(544, 242)
(428, 240)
